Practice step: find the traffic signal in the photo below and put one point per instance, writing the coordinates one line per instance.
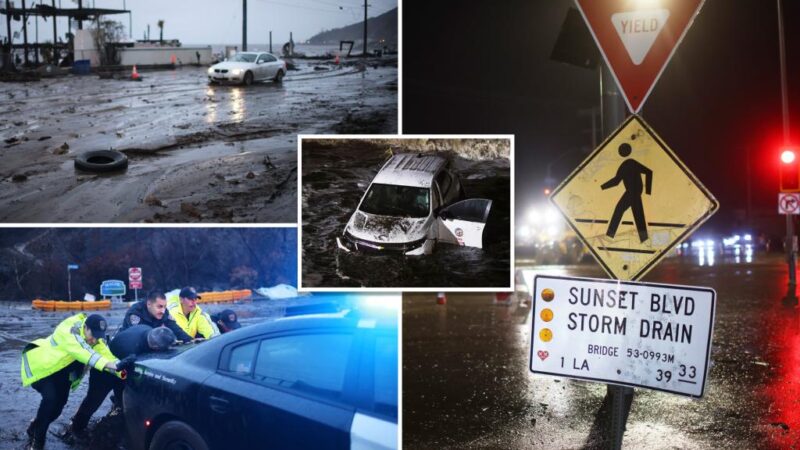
(790, 174)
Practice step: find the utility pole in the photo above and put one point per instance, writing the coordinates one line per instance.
(55, 35)
(244, 25)
(791, 291)
(9, 61)
(365, 28)
(25, 32)
(130, 20)
(270, 41)
(80, 16)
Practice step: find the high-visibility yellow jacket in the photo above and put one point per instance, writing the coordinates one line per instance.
(197, 322)
(46, 356)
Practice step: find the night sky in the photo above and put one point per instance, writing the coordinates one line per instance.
(485, 67)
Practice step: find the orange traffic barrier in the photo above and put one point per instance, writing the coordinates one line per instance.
(62, 305)
(224, 296)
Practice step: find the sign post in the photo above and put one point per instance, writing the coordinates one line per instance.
(135, 280)
(70, 268)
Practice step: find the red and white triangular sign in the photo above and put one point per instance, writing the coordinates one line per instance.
(637, 38)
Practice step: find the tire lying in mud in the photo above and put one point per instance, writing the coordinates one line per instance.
(101, 161)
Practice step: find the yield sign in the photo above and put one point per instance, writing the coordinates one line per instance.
(632, 200)
(637, 38)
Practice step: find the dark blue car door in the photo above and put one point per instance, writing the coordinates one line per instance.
(288, 390)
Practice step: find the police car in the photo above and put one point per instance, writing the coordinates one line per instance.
(309, 381)
(414, 201)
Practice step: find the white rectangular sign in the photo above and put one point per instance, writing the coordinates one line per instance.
(656, 336)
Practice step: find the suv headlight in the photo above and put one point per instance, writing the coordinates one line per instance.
(236, 71)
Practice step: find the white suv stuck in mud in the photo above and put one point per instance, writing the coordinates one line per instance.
(414, 202)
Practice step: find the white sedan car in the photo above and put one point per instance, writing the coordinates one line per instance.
(248, 67)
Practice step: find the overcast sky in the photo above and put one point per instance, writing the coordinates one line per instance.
(220, 22)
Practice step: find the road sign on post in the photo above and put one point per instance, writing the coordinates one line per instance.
(632, 200)
(135, 278)
(112, 288)
(655, 336)
(70, 268)
(637, 39)
(789, 203)
(135, 281)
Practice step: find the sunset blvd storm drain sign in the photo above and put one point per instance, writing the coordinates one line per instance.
(656, 336)
(632, 200)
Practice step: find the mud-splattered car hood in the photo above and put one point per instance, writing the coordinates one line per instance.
(387, 229)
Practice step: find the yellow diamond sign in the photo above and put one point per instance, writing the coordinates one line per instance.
(632, 200)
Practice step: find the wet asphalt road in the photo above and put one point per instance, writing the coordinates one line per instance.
(197, 152)
(334, 178)
(19, 324)
(466, 381)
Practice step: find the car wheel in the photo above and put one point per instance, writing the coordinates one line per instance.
(175, 435)
(248, 78)
(278, 76)
(101, 161)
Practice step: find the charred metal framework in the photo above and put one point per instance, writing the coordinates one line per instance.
(78, 14)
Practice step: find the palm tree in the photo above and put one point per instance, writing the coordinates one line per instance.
(161, 31)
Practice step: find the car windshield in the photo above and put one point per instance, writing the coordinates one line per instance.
(244, 57)
(392, 200)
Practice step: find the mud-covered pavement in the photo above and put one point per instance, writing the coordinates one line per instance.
(19, 325)
(467, 383)
(197, 152)
(336, 175)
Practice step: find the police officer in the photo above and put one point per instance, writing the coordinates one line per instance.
(55, 364)
(131, 341)
(153, 312)
(190, 317)
(226, 321)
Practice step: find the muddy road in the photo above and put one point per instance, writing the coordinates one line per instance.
(197, 153)
(19, 325)
(334, 178)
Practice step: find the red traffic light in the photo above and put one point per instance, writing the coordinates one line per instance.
(789, 171)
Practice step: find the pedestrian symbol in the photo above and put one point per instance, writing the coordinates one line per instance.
(630, 174)
(632, 200)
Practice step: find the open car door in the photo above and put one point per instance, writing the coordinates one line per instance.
(462, 223)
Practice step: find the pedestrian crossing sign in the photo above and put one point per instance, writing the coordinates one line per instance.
(632, 200)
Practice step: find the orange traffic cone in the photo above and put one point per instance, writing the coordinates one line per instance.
(336, 60)
(134, 74)
(441, 299)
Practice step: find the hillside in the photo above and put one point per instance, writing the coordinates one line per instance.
(381, 29)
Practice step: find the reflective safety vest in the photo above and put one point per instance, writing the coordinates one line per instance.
(197, 322)
(46, 356)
